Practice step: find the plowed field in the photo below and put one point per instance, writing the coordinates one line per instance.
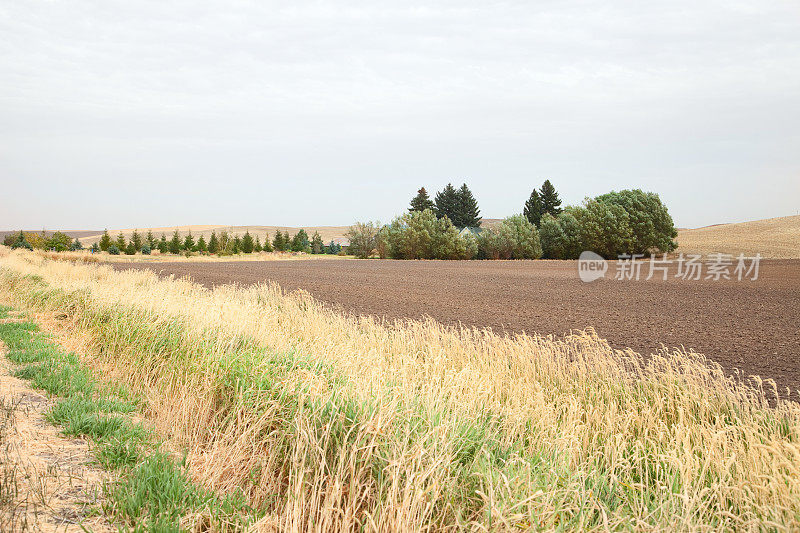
(750, 325)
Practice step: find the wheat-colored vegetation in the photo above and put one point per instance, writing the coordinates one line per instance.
(777, 238)
(330, 422)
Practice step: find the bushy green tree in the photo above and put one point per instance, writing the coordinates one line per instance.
(121, 242)
(188, 242)
(561, 236)
(213, 243)
(151, 241)
(300, 242)
(514, 238)
(422, 201)
(105, 241)
(95, 248)
(21, 242)
(236, 245)
(136, 239)
(422, 235)
(278, 242)
(130, 249)
(201, 245)
(267, 247)
(145, 249)
(163, 245)
(247, 243)
(257, 245)
(650, 223)
(363, 238)
(59, 242)
(175, 243)
(113, 250)
(317, 245)
(76, 245)
(333, 248)
(605, 228)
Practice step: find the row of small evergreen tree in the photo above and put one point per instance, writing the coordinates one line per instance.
(221, 244)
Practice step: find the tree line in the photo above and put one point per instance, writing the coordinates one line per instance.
(449, 227)
(222, 244)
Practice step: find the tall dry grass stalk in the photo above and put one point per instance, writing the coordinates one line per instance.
(332, 422)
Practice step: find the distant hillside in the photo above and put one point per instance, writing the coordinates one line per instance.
(777, 238)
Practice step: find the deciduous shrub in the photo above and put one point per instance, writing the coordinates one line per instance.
(363, 239)
(420, 235)
(514, 238)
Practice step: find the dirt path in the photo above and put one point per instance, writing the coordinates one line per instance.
(47, 481)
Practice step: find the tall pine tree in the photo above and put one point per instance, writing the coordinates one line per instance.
(121, 242)
(447, 202)
(175, 243)
(188, 242)
(467, 213)
(551, 203)
(533, 208)
(163, 247)
(421, 202)
(247, 244)
(213, 243)
(267, 246)
(105, 240)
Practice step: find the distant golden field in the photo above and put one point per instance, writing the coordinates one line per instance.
(777, 238)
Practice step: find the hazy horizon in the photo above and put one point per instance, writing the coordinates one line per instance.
(126, 115)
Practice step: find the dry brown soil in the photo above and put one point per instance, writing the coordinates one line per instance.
(750, 325)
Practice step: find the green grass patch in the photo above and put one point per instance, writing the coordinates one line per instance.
(151, 491)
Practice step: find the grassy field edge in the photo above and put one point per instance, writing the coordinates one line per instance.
(151, 490)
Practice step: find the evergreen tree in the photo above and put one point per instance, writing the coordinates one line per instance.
(201, 245)
(175, 243)
(151, 241)
(300, 241)
(105, 241)
(447, 202)
(76, 245)
(130, 249)
(257, 245)
(267, 246)
(422, 201)
(277, 242)
(237, 245)
(121, 243)
(467, 214)
(95, 248)
(287, 242)
(224, 242)
(163, 246)
(213, 243)
(247, 243)
(188, 242)
(136, 239)
(317, 245)
(533, 208)
(551, 203)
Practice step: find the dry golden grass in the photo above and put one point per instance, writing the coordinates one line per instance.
(777, 238)
(330, 422)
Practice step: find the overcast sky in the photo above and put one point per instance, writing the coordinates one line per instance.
(136, 114)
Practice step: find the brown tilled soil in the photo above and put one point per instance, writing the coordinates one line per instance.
(750, 325)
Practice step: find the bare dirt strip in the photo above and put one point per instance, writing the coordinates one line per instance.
(750, 325)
